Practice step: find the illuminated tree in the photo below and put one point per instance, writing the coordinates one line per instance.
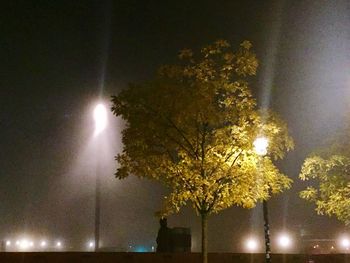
(193, 127)
(329, 173)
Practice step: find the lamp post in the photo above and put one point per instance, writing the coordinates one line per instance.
(260, 147)
(100, 118)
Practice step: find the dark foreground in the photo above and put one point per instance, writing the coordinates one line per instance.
(110, 257)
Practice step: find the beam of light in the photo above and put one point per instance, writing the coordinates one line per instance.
(105, 39)
(100, 118)
(260, 145)
(251, 245)
(270, 56)
(284, 241)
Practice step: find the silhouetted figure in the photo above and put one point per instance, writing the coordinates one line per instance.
(164, 243)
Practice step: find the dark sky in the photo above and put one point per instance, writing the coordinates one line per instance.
(59, 57)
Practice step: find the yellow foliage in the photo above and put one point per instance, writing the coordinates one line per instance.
(193, 127)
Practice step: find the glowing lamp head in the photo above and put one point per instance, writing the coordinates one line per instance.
(8, 243)
(59, 244)
(260, 145)
(251, 244)
(43, 243)
(100, 117)
(284, 241)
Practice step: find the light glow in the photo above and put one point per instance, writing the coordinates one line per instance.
(345, 242)
(91, 244)
(24, 244)
(260, 145)
(284, 241)
(43, 243)
(251, 244)
(8, 243)
(100, 117)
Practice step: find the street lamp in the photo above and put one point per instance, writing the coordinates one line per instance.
(260, 146)
(100, 118)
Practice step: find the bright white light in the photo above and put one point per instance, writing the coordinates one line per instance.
(260, 145)
(284, 241)
(18, 242)
(100, 117)
(8, 243)
(91, 244)
(58, 244)
(251, 244)
(345, 242)
(24, 244)
(43, 243)
(31, 244)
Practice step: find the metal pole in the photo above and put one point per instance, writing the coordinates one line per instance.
(97, 206)
(267, 232)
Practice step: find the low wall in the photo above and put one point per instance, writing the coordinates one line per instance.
(110, 257)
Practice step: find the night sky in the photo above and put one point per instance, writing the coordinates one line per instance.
(59, 57)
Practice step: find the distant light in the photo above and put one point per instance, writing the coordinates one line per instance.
(345, 243)
(260, 145)
(8, 243)
(31, 244)
(18, 243)
(58, 244)
(284, 241)
(251, 244)
(24, 244)
(140, 249)
(91, 244)
(100, 117)
(43, 243)
(332, 247)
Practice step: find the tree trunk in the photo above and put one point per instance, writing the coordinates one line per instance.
(204, 237)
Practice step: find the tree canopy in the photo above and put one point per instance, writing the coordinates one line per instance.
(193, 126)
(328, 175)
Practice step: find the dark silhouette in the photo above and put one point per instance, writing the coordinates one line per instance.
(164, 242)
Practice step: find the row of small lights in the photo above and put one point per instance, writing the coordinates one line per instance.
(285, 242)
(251, 244)
(27, 244)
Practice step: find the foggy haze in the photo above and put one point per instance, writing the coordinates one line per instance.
(62, 58)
